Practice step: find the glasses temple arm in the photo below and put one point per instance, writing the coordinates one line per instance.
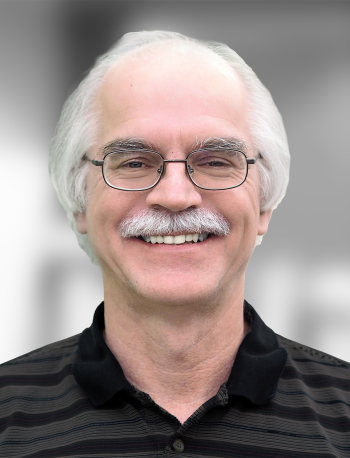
(93, 161)
(98, 163)
(254, 159)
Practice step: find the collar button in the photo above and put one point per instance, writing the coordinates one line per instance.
(178, 445)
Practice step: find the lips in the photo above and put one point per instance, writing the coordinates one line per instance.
(176, 239)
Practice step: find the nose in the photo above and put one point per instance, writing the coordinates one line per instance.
(175, 191)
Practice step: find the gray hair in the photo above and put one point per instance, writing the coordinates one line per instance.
(77, 127)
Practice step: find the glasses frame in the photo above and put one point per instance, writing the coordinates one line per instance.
(161, 170)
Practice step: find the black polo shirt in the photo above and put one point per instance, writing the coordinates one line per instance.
(71, 399)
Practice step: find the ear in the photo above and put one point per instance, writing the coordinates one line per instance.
(264, 220)
(80, 221)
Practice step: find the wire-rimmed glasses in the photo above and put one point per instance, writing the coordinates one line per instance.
(210, 169)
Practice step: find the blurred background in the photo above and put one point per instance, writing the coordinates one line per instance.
(298, 279)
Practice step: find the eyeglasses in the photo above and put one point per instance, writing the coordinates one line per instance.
(211, 169)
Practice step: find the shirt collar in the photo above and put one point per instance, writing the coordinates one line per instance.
(254, 375)
(259, 362)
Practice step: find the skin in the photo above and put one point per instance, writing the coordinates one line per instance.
(175, 311)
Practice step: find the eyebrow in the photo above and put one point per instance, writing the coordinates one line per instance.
(210, 143)
(126, 144)
(231, 143)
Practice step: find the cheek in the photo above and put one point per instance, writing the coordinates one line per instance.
(240, 204)
(108, 207)
(241, 207)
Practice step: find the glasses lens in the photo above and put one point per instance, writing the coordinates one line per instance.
(217, 169)
(131, 170)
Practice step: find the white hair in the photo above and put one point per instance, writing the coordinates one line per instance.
(77, 127)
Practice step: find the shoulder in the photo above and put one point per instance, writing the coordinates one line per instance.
(38, 391)
(48, 366)
(315, 373)
(300, 353)
(42, 358)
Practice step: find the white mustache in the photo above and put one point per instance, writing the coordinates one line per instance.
(160, 222)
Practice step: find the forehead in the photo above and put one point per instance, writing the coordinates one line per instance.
(171, 99)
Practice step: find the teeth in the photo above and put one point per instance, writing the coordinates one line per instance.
(179, 239)
(176, 239)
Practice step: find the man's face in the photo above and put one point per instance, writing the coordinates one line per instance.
(172, 104)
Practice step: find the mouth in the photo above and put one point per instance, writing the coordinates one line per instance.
(176, 239)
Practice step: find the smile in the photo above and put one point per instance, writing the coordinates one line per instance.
(176, 239)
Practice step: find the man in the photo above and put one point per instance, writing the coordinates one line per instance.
(194, 159)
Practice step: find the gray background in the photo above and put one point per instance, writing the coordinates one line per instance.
(298, 279)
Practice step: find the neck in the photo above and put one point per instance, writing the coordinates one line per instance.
(180, 358)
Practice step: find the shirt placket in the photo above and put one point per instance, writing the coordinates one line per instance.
(179, 443)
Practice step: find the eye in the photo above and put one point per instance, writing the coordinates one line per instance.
(216, 160)
(134, 164)
(213, 162)
(138, 162)
(216, 163)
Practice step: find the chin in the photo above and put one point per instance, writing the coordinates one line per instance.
(178, 293)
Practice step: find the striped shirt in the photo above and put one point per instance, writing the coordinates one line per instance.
(71, 399)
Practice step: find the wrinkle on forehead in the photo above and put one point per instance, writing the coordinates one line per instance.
(144, 66)
(185, 89)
